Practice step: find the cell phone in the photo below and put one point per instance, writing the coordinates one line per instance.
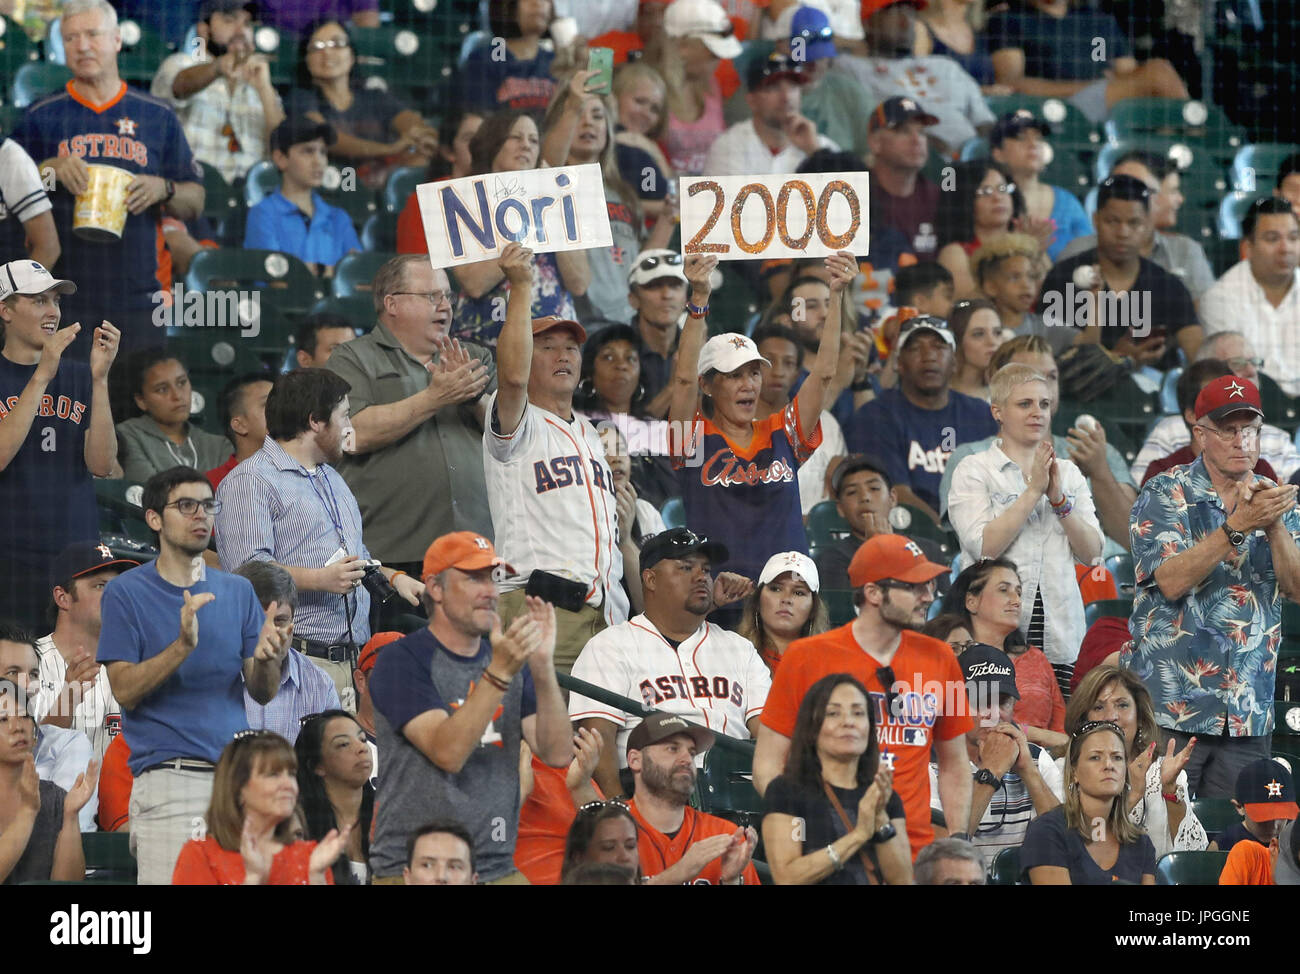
(601, 59)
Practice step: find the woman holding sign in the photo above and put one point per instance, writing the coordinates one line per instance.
(738, 476)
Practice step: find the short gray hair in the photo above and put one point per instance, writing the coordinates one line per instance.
(1008, 377)
(942, 850)
(73, 7)
(391, 278)
(1209, 347)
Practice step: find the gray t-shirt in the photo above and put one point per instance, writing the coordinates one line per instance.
(37, 860)
(413, 676)
(606, 296)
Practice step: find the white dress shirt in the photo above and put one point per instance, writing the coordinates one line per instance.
(1236, 302)
(740, 152)
(984, 485)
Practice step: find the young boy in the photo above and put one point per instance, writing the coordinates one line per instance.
(294, 219)
(1265, 800)
(926, 287)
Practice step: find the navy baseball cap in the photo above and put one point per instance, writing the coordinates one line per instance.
(83, 558)
(1266, 791)
(895, 111)
(985, 665)
(680, 543)
(814, 27)
(1012, 124)
(297, 129)
(763, 71)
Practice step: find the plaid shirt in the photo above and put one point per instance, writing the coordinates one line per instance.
(205, 113)
(1209, 658)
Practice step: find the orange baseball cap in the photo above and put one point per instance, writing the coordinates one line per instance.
(370, 652)
(464, 550)
(891, 556)
(555, 321)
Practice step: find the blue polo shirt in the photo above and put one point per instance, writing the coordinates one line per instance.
(197, 710)
(277, 224)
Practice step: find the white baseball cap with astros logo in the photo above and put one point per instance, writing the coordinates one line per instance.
(790, 561)
(728, 352)
(29, 277)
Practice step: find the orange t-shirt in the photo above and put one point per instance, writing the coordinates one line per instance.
(544, 822)
(203, 862)
(657, 851)
(1248, 865)
(115, 783)
(933, 707)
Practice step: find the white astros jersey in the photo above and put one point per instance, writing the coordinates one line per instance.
(98, 716)
(714, 677)
(551, 494)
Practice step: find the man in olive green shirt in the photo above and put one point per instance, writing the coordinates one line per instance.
(417, 403)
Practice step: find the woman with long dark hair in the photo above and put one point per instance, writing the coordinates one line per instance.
(334, 766)
(604, 832)
(984, 204)
(853, 828)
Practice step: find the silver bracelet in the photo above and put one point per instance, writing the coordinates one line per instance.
(836, 861)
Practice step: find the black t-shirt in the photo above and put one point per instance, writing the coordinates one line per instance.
(1059, 48)
(37, 860)
(1157, 300)
(822, 824)
(1233, 834)
(1050, 842)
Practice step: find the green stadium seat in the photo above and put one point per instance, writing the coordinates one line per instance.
(922, 527)
(726, 787)
(674, 513)
(357, 308)
(1005, 868)
(1216, 814)
(220, 198)
(1188, 155)
(1291, 757)
(1121, 568)
(262, 180)
(1255, 167)
(35, 80)
(839, 605)
(400, 185)
(732, 305)
(281, 53)
(1068, 171)
(1190, 868)
(108, 855)
(354, 273)
(143, 50)
(1223, 254)
(1107, 608)
(16, 48)
(1282, 410)
(825, 526)
(380, 231)
(399, 55)
(1171, 117)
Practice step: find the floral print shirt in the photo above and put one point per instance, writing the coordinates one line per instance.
(1209, 659)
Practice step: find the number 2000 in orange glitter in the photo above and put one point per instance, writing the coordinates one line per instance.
(776, 213)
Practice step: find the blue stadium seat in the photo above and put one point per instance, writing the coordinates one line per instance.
(1255, 167)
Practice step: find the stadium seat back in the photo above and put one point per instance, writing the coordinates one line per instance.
(35, 80)
(825, 526)
(674, 513)
(1190, 868)
(726, 787)
(1255, 167)
(355, 272)
(1004, 870)
(839, 605)
(1216, 814)
(1107, 608)
(400, 185)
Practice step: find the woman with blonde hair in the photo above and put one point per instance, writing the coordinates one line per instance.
(1088, 840)
(250, 821)
(1157, 795)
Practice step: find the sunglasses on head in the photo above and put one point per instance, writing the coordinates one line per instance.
(245, 735)
(1094, 725)
(825, 34)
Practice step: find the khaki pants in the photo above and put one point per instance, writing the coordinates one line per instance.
(168, 808)
(341, 674)
(573, 629)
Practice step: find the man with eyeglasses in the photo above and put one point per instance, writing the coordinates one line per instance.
(670, 658)
(1260, 296)
(417, 400)
(915, 683)
(181, 642)
(657, 293)
(1214, 552)
(98, 121)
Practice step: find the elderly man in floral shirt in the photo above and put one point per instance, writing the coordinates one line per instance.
(1214, 548)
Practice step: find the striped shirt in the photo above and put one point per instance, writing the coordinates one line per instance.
(304, 689)
(272, 509)
(22, 195)
(98, 716)
(1010, 809)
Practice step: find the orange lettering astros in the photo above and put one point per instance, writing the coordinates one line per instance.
(723, 468)
(101, 145)
(63, 408)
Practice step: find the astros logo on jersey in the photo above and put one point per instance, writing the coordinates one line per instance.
(125, 126)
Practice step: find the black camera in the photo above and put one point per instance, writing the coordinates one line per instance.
(380, 588)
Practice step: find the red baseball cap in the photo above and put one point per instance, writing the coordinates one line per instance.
(541, 325)
(465, 550)
(370, 652)
(870, 7)
(1226, 395)
(891, 556)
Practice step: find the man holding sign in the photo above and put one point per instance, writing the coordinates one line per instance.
(778, 137)
(549, 487)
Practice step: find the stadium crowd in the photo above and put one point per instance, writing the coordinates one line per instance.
(967, 558)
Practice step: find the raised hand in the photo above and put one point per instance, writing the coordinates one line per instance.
(456, 377)
(843, 268)
(730, 587)
(625, 507)
(1087, 448)
(516, 263)
(1044, 231)
(738, 854)
(999, 752)
(576, 90)
(189, 635)
(1172, 764)
(701, 853)
(1137, 773)
(83, 670)
(52, 351)
(326, 853)
(1040, 470)
(1054, 492)
(698, 269)
(29, 785)
(256, 855)
(587, 745)
(1025, 758)
(81, 790)
(103, 350)
(511, 648)
(542, 614)
(273, 640)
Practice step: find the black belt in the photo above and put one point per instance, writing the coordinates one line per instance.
(334, 652)
(182, 764)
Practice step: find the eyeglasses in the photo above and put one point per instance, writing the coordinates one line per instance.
(188, 505)
(916, 588)
(1240, 363)
(653, 261)
(1248, 433)
(228, 132)
(1002, 189)
(885, 675)
(435, 298)
(330, 45)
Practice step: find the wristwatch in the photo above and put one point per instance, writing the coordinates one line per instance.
(986, 777)
(171, 191)
(884, 833)
(1236, 538)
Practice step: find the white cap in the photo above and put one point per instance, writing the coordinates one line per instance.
(29, 277)
(728, 352)
(707, 21)
(651, 265)
(845, 17)
(790, 561)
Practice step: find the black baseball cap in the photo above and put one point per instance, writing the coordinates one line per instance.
(659, 726)
(855, 463)
(985, 665)
(210, 7)
(297, 129)
(772, 67)
(1266, 791)
(83, 558)
(679, 543)
(897, 110)
(1013, 123)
